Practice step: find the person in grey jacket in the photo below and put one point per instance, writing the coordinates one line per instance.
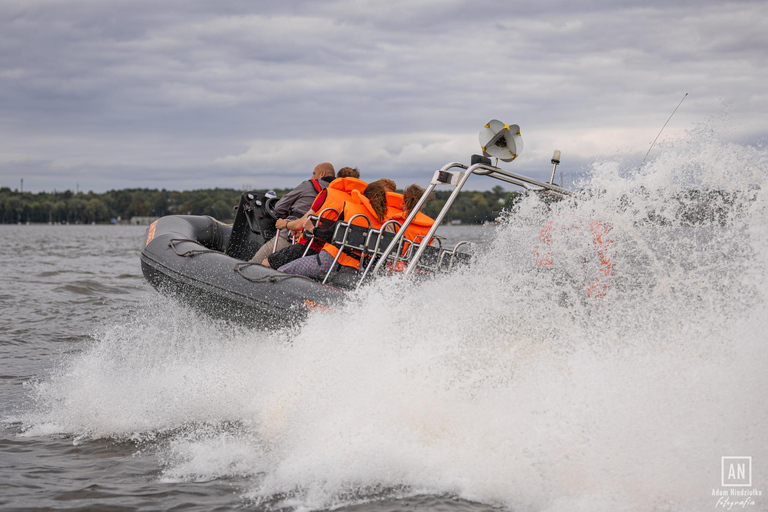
(295, 204)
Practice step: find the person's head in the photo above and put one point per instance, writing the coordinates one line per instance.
(348, 172)
(322, 170)
(411, 196)
(377, 195)
(387, 183)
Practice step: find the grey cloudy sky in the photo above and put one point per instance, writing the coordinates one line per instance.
(185, 94)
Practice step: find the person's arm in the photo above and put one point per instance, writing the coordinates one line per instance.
(283, 206)
(298, 224)
(282, 223)
(303, 222)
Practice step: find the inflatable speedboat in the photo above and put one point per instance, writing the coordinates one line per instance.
(205, 262)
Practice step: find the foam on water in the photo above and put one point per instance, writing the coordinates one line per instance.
(503, 383)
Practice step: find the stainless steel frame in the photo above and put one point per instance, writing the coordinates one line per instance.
(316, 217)
(447, 176)
(378, 234)
(452, 254)
(346, 226)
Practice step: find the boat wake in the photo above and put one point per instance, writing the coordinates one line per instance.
(505, 383)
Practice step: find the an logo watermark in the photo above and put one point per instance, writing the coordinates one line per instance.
(736, 471)
(736, 489)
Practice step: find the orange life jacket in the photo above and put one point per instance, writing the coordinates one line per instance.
(339, 192)
(336, 194)
(394, 204)
(358, 204)
(417, 229)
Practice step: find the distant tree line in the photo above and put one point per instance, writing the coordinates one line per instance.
(470, 207)
(473, 207)
(86, 208)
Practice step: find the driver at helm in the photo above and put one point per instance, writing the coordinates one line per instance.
(295, 204)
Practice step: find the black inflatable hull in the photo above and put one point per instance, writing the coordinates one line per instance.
(184, 256)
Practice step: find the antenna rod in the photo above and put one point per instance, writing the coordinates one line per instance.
(662, 129)
(555, 161)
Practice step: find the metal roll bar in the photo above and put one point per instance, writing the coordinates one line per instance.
(423, 199)
(446, 176)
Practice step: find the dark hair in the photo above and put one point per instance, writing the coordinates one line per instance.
(411, 196)
(348, 172)
(377, 195)
(390, 185)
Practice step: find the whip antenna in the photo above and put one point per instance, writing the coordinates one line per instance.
(662, 129)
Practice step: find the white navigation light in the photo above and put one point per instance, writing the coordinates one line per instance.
(502, 141)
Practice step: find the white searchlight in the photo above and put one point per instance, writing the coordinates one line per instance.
(502, 141)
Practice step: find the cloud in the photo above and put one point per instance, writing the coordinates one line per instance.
(268, 89)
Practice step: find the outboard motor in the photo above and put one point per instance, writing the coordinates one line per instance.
(254, 224)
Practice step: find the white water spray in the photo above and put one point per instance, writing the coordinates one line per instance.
(503, 383)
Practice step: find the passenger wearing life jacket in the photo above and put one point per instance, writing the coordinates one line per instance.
(419, 226)
(333, 196)
(421, 223)
(394, 204)
(294, 204)
(373, 204)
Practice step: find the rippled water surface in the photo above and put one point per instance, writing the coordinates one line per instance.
(62, 287)
(600, 354)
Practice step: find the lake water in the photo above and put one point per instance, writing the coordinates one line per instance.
(615, 378)
(66, 290)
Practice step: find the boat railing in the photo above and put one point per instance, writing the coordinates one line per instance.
(430, 256)
(378, 239)
(349, 237)
(317, 220)
(435, 259)
(449, 259)
(277, 239)
(456, 174)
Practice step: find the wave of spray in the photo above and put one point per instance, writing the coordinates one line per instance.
(504, 383)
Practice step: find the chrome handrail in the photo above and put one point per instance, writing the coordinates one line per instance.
(423, 199)
(453, 252)
(480, 169)
(445, 176)
(346, 225)
(317, 217)
(379, 233)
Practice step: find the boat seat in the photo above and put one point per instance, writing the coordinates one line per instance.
(450, 259)
(322, 223)
(350, 237)
(430, 258)
(436, 259)
(378, 241)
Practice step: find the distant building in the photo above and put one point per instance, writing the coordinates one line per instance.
(142, 221)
